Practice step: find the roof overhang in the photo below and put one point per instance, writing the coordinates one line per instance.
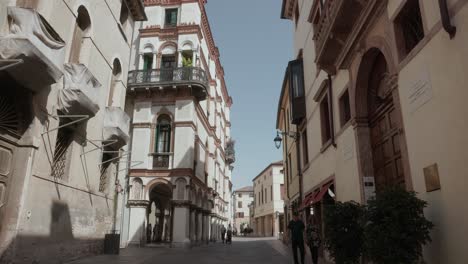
(137, 8)
(287, 9)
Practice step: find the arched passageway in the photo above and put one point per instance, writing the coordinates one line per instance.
(159, 214)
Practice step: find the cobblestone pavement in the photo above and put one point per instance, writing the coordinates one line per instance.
(242, 251)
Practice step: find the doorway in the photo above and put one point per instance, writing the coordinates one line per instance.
(379, 129)
(168, 65)
(384, 129)
(159, 215)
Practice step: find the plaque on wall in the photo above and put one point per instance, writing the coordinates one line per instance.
(431, 177)
(420, 91)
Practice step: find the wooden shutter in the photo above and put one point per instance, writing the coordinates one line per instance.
(296, 91)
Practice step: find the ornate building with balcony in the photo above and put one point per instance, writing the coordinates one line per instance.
(181, 148)
(63, 67)
(378, 101)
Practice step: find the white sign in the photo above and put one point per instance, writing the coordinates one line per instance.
(420, 91)
(369, 188)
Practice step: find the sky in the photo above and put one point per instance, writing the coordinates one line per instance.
(255, 46)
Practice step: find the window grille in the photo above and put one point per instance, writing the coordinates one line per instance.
(105, 172)
(62, 146)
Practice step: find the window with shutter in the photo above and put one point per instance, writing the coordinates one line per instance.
(171, 17)
(296, 76)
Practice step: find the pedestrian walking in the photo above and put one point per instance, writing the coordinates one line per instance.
(223, 233)
(296, 227)
(313, 238)
(229, 235)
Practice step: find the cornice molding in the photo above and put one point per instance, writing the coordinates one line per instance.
(138, 203)
(168, 2)
(172, 32)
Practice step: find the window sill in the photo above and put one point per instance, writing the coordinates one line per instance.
(343, 127)
(325, 146)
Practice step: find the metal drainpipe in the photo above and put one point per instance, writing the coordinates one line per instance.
(330, 110)
(444, 13)
(299, 169)
(289, 165)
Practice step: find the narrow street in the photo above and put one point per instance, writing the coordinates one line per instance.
(242, 250)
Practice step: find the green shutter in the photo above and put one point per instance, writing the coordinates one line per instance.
(157, 139)
(168, 149)
(174, 17)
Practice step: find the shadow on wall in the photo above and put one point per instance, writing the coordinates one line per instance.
(60, 246)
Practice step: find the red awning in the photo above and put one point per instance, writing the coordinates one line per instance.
(323, 191)
(308, 200)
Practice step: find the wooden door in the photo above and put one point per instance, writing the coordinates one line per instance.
(385, 129)
(7, 152)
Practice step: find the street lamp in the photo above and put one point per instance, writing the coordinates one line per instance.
(279, 134)
(278, 140)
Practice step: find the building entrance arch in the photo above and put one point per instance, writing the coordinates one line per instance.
(159, 214)
(378, 122)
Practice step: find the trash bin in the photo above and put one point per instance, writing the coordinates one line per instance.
(112, 244)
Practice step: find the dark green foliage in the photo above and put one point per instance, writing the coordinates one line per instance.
(390, 230)
(344, 234)
(396, 227)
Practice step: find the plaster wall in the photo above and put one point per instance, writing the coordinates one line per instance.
(435, 132)
(70, 216)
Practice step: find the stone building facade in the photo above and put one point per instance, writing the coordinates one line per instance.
(181, 148)
(377, 100)
(63, 69)
(241, 200)
(269, 201)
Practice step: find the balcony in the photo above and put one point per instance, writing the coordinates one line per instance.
(162, 160)
(336, 26)
(80, 95)
(116, 127)
(191, 77)
(33, 42)
(230, 152)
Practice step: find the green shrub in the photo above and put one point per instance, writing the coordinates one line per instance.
(396, 227)
(344, 234)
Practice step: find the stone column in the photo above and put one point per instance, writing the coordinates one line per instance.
(155, 61)
(137, 229)
(277, 226)
(192, 225)
(179, 59)
(206, 228)
(141, 62)
(210, 230)
(181, 231)
(194, 60)
(200, 226)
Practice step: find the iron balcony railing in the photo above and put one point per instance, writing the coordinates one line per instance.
(183, 75)
(162, 160)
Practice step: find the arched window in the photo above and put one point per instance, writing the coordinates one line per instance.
(181, 186)
(116, 73)
(82, 26)
(163, 134)
(137, 189)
